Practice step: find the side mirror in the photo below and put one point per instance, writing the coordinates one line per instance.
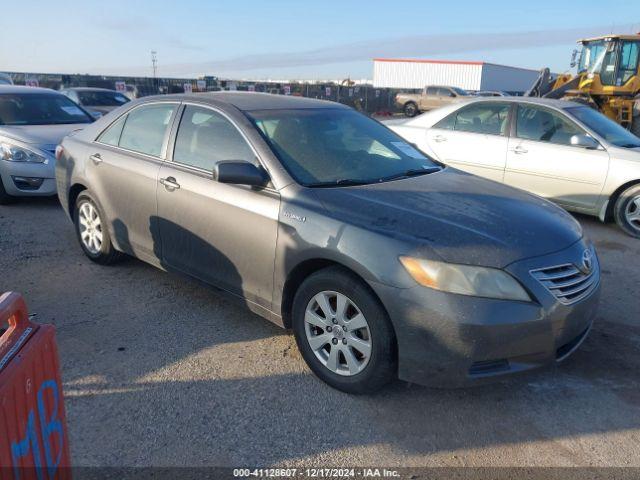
(585, 141)
(239, 172)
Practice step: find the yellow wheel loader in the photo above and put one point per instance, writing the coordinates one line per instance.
(608, 79)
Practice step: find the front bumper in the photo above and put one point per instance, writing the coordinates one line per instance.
(11, 172)
(451, 340)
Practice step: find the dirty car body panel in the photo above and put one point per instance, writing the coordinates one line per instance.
(254, 242)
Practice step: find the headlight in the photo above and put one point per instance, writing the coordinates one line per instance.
(15, 153)
(465, 279)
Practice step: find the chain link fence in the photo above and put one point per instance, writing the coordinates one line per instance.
(365, 98)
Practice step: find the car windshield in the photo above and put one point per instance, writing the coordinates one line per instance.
(605, 127)
(102, 99)
(333, 147)
(460, 91)
(40, 109)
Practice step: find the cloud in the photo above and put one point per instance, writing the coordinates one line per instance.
(407, 46)
(141, 28)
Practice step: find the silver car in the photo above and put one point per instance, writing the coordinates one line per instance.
(563, 151)
(384, 262)
(32, 123)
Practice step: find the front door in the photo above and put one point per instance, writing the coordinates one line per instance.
(542, 160)
(222, 234)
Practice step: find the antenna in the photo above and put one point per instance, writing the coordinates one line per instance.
(154, 66)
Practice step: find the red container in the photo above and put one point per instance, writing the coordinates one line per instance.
(33, 428)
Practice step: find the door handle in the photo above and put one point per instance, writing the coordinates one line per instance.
(519, 150)
(96, 158)
(170, 183)
(440, 138)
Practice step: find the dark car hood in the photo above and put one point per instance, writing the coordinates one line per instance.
(464, 218)
(41, 135)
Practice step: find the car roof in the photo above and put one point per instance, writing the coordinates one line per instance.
(89, 89)
(548, 102)
(21, 89)
(248, 101)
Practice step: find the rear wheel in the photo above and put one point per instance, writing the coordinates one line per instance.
(410, 109)
(627, 211)
(343, 332)
(92, 231)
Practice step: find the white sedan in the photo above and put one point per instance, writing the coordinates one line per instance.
(563, 151)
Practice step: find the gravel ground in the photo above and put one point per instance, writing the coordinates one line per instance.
(160, 370)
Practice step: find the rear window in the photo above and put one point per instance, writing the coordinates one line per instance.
(102, 99)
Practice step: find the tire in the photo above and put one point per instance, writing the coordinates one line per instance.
(335, 342)
(101, 252)
(410, 109)
(5, 198)
(626, 211)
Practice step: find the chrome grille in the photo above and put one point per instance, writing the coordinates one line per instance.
(567, 282)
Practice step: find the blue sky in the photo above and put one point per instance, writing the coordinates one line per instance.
(295, 38)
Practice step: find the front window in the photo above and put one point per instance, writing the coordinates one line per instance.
(102, 99)
(40, 109)
(542, 125)
(605, 127)
(592, 53)
(459, 91)
(205, 137)
(325, 147)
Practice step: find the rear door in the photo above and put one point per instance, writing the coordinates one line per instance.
(473, 139)
(222, 234)
(123, 170)
(542, 160)
(429, 99)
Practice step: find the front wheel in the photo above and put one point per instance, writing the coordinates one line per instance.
(627, 211)
(343, 332)
(92, 231)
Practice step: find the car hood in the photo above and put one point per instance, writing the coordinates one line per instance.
(44, 136)
(463, 218)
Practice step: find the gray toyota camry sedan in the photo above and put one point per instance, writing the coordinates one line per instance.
(384, 262)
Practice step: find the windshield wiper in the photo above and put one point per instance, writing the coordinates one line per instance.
(413, 172)
(630, 145)
(343, 182)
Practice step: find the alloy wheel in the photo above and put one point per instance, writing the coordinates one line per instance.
(632, 212)
(338, 333)
(90, 227)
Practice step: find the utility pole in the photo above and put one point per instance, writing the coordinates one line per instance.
(154, 64)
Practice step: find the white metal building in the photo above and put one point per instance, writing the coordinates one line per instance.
(399, 73)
